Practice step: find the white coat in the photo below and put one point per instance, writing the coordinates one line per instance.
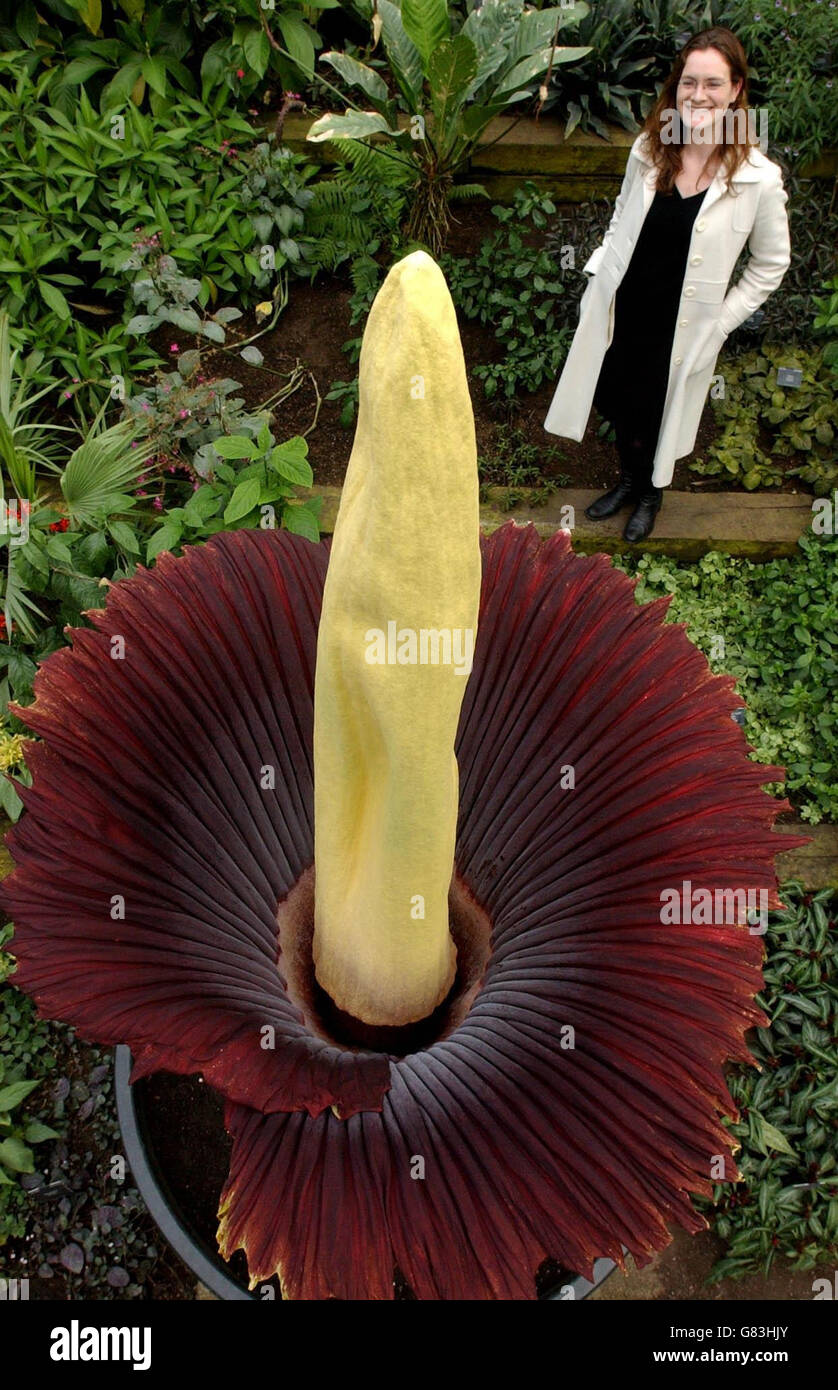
(754, 212)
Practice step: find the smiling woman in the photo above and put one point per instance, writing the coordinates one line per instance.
(658, 308)
(559, 1088)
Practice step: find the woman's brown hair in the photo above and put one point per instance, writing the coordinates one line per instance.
(734, 151)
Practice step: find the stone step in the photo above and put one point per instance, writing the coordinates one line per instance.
(757, 526)
(815, 864)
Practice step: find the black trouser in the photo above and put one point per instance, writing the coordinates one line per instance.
(636, 446)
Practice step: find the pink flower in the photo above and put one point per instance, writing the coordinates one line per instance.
(157, 504)
(239, 72)
(173, 347)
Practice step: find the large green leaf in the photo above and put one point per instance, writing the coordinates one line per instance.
(526, 72)
(14, 1093)
(426, 24)
(357, 74)
(451, 70)
(54, 299)
(257, 50)
(292, 465)
(15, 1155)
(404, 57)
(299, 518)
(154, 72)
(492, 29)
(537, 27)
(168, 536)
(355, 125)
(244, 499)
(235, 446)
(298, 41)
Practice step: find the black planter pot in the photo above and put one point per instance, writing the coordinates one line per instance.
(179, 1231)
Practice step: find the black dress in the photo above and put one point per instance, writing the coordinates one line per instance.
(631, 390)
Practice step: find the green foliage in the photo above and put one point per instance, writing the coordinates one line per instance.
(249, 495)
(165, 295)
(775, 628)
(85, 190)
(459, 81)
(797, 420)
(515, 288)
(633, 44)
(358, 209)
(786, 1202)
(149, 52)
(244, 56)
(25, 1060)
(86, 520)
(813, 225)
(347, 392)
(183, 411)
(275, 197)
(826, 323)
(515, 464)
(793, 54)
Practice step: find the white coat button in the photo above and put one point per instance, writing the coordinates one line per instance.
(689, 292)
(684, 323)
(678, 361)
(696, 260)
(699, 226)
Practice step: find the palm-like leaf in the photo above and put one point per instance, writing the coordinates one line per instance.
(107, 463)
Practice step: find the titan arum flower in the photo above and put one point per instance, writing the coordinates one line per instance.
(473, 1042)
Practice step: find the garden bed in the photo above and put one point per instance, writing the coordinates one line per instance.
(511, 439)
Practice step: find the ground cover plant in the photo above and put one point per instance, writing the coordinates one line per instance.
(786, 1204)
(773, 627)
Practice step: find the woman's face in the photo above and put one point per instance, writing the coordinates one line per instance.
(704, 93)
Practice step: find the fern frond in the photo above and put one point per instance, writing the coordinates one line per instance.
(459, 191)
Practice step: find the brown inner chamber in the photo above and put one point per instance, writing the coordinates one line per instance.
(471, 930)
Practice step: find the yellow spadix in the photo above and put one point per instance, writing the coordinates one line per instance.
(397, 629)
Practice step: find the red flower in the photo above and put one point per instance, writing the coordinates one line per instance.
(529, 1150)
(62, 525)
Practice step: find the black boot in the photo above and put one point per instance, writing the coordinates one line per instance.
(641, 523)
(612, 501)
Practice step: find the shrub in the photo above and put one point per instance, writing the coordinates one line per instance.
(801, 420)
(516, 289)
(792, 49)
